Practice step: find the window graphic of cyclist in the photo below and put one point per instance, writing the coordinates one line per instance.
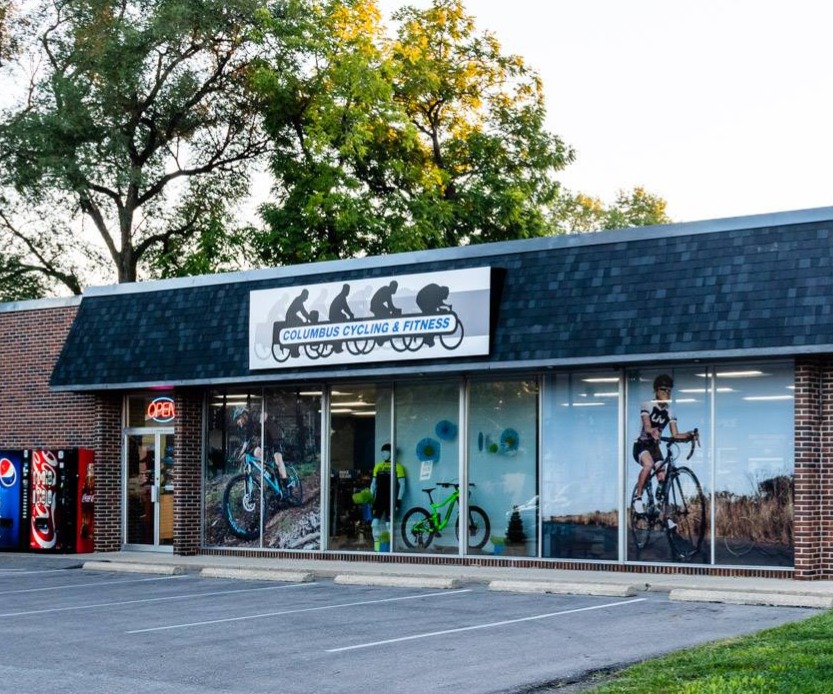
(655, 415)
(249, 425)
(340, 312)
(431, 301)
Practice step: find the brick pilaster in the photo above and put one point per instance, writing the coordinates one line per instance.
(108, 474)
(188, 456)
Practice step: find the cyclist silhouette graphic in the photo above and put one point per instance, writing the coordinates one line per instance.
(381, 305)
(297, 314)
(431, 300)
(340, 311)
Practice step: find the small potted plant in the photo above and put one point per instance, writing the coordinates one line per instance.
(499, 543)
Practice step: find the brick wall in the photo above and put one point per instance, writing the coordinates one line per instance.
(31, 415)
(108, 474)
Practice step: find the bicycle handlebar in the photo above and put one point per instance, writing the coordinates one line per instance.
(453, 484)
(695, 441)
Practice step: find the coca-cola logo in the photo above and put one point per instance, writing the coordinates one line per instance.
(44, 483)
(88, 498)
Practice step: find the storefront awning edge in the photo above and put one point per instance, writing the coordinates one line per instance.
(612, 361)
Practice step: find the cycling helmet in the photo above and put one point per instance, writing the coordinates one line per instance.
(663, 381)
(238, 412)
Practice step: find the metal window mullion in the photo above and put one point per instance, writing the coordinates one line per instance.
(463, 464)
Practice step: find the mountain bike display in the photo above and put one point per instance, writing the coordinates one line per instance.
(244, 495)
(677, 508)
(420, 526)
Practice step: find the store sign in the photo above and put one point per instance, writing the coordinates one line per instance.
(406, 317)
(161, 410)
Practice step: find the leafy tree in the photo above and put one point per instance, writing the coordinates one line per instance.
(578, 213)
(432, 138)
(136, 130)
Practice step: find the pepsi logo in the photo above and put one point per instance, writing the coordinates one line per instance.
(8, 473)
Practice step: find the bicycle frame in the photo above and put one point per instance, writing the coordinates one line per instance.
(450, 501)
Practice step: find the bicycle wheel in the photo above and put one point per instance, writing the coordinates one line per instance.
(685, 514)
(294, 494)
(479, 528)
(417, 529)
(241, 506)
(642, 522)
(743, 544)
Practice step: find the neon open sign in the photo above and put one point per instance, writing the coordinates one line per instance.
(161, 410)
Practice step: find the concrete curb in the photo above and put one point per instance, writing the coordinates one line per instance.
(131, 567)
(752, 598)
(397, 581)
(258, 574)
(616, 590)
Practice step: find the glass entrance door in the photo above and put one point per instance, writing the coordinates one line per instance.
(150, 469)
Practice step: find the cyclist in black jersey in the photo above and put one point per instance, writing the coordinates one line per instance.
(655, 415)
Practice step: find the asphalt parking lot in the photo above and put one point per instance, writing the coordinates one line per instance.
(78, 630)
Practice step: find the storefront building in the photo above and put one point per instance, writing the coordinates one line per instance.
(247, 413)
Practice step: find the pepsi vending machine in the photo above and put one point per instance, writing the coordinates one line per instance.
(14, 501)
(62, 498)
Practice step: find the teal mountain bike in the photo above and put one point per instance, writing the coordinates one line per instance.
(255, 486)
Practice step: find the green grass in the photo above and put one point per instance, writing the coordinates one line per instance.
(795, 658)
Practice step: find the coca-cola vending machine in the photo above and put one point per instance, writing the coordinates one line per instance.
(14, 501)
(62, 500)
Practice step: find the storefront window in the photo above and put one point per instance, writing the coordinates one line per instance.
(690, 404)
(428, 446)
(581, 459)
(754, 446)
(360, 426)
(262, 478)
(503, 465)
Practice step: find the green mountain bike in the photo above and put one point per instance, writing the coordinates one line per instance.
(420, 526)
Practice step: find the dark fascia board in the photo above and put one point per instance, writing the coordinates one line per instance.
(485, 250)
(472, 368)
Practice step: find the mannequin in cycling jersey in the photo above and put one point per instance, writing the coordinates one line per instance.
(380, 488)
(655, 415)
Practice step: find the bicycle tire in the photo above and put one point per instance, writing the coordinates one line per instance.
(685, 507)
(294, 487)
(242, 505)
(642, 524)
(479, 528)
(417, 529)
(744, 545)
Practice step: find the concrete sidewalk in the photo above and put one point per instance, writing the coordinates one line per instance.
(737, 590)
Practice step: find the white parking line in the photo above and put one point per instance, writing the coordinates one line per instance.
(95, 585)
(303, 609)
(160, 599)
(481, 626)
(30, 572)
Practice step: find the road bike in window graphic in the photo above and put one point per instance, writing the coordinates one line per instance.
(420, 526)
(245, 494)
(674, 506)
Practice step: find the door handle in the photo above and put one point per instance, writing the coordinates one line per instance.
(154, 493)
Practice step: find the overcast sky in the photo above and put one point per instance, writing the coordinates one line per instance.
(722, 107)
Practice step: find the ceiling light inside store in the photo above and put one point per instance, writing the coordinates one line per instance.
(607, 379)
(735, 374)
(582, 404)
(767, 397)
(703, 391)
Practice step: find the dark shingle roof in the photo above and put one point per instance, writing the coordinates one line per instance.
(612, 297)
